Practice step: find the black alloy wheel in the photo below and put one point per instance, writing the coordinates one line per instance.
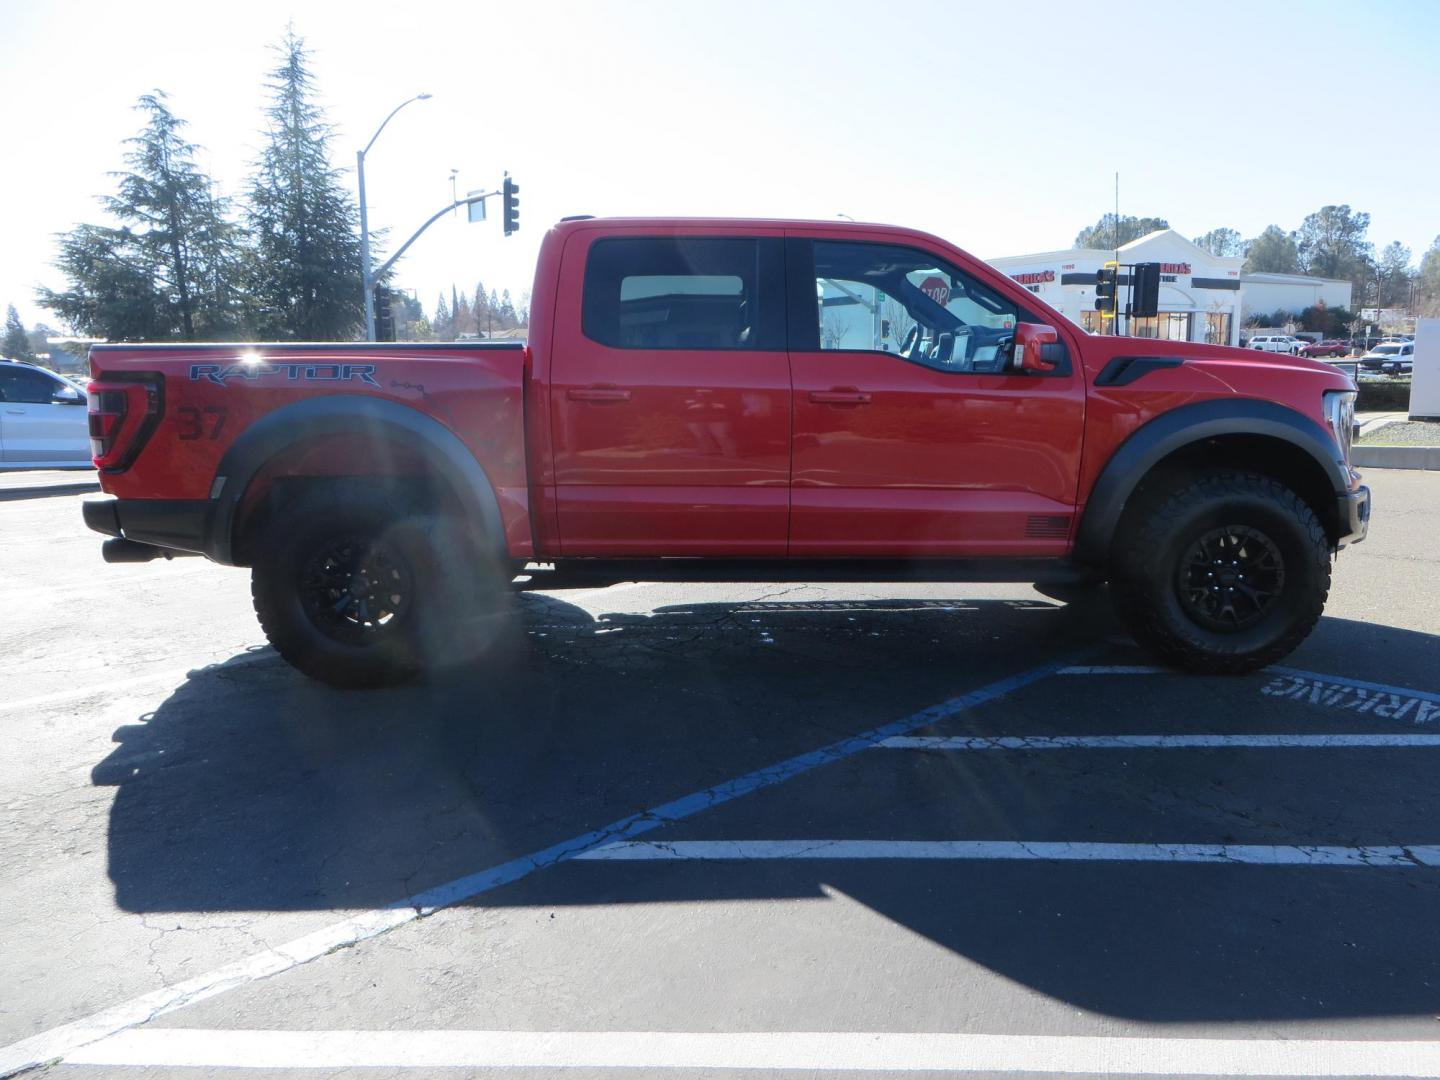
(355, 590)
(1229, 578)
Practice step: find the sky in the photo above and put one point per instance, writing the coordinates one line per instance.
(998, 126)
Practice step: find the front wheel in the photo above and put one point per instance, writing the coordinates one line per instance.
(1221, 573)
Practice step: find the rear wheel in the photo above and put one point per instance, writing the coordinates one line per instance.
(361, 588)
(1222, 572)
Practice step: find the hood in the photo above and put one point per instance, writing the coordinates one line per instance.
(1239, 369)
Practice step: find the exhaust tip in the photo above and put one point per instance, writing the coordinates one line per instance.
(121, 550)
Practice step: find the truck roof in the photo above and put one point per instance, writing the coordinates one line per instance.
(578, 223)
(299, 346)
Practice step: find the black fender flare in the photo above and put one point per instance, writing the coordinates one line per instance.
(1159, 438)
(346, 414)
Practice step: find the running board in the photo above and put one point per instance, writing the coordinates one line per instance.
(589, 573)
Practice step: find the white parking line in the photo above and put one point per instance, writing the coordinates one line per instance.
(818, 1051)
(1156, 742)
(1389, 857)
(60, 1041)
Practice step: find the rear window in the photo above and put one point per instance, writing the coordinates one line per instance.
(685, 293)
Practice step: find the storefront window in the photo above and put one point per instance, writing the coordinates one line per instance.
(1168, 325)
(1092, 322)
(1217, 328)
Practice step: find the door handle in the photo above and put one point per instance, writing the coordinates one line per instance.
(16, 412)
(597, 393)
(841, 395)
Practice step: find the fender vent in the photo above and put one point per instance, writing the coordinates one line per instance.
(1047, 526)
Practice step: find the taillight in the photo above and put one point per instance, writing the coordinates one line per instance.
(122, 414)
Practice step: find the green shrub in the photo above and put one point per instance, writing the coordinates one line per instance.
(1383, 394)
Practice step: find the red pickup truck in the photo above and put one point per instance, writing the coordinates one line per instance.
(735, 400)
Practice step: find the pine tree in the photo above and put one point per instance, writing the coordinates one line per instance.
(507, 311)
(444, 322)
(16, 343)
(463, 315)
(173, 270)
(306, 275)
(1393, 270)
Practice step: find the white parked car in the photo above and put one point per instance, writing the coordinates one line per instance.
(43, 419)
(1390, 358)
(1277, 343)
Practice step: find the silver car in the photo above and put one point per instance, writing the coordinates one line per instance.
(43, 421)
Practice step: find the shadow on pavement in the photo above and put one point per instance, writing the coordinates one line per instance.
(254, 789)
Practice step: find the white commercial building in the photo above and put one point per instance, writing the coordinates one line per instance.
(1203, 297)
(1265, 294)
(1200, 293)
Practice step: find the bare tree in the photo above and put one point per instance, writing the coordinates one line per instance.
(833, 331)
(900, 320)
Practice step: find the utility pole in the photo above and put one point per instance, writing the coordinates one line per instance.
(1115, 235)
(367, 279)
(472, 201)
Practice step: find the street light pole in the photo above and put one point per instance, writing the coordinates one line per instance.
(366, 278)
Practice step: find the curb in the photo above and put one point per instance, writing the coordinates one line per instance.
(1396, 457)
(8, 494)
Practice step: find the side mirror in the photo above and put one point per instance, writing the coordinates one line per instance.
(1036, 348)
(67, 395)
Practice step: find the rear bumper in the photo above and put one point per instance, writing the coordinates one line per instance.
(1354, 516)
(172, 524)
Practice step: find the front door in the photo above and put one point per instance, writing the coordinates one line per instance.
(913, 435)
(670, 397)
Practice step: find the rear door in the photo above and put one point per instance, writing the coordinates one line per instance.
(42, 419)
(912, 435)
(670, 395)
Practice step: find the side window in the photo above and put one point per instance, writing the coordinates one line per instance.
(899, 300)
(685, 293)
(32, 387)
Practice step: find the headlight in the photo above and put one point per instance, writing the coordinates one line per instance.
(1340, 411)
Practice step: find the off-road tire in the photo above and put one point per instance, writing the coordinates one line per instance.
(440, 589)
(1154, 563)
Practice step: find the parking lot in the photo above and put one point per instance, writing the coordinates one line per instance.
(775, 830)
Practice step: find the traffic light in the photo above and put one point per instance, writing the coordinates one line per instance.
(511, 210)
(1105, 279)
(384, 316)
(1145, 290)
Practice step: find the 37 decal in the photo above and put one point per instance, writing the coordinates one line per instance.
(249, 372)
(200, 423)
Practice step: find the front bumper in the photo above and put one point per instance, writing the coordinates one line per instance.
(170, 524)
(1354, 516)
